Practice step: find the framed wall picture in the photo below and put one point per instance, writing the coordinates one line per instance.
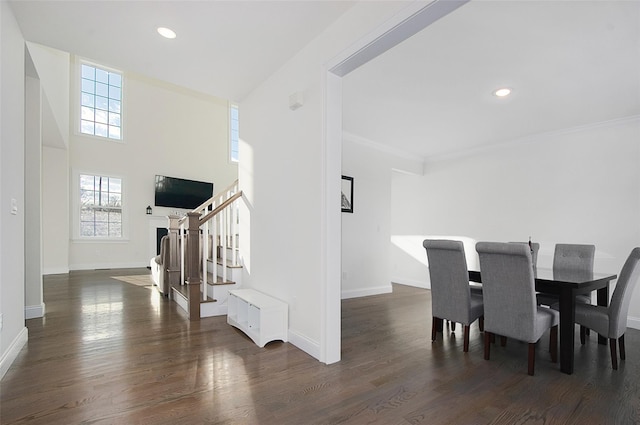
(347, 194)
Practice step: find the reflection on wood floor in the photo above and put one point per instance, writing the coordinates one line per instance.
(112, 352)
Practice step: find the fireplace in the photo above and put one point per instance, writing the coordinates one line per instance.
(160, 232)
(158, 227)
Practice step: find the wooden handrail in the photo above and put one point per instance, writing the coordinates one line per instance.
(220, 207)
(210, 201)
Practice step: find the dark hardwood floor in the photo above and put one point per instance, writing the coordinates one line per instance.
(113, 351)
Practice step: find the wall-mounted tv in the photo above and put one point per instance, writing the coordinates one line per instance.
(181, 193)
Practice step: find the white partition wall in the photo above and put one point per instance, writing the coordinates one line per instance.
(13, 333)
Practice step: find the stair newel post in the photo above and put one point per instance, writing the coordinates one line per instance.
(174, 253)
(193, 264)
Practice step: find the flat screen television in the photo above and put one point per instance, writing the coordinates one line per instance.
(181, 193)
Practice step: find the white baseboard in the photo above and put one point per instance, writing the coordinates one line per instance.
(305, 344)
(633, 322)
(109, 266)
(12, 352)
(55, 270)
(34, 311)
(357, 293)
(410, 282)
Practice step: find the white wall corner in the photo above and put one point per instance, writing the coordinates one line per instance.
(307, 345)
(411, 282)
(12, 352)
(55, 270)
(34, 311)
(633, 322)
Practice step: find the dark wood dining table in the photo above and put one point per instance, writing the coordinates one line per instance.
(566, 285)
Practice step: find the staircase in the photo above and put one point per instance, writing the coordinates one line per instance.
(202, 272)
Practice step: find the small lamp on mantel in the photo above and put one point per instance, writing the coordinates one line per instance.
(149, 210)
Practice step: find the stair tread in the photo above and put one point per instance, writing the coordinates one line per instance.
(229, 263)
(219, 282)
(182, 290)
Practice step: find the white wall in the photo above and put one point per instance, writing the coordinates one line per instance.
(52, 66)
(167, 130)
(577, 186)
(13, 333)
(282, 174)
(55, 203)
(366, 232)
(34, 301)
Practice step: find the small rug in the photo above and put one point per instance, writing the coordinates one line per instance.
(138, 280)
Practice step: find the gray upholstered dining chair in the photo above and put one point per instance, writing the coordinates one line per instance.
(611, 321)
(510, 307)
(451, 297)
(535, 247)
(573, 260)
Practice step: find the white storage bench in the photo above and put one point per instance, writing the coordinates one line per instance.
(260, 316)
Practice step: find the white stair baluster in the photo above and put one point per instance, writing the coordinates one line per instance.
(223, 237)
(205, 255)
(234, 231)
(182, 240)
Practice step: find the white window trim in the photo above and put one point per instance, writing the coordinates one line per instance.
(79, 61)
(75, 209)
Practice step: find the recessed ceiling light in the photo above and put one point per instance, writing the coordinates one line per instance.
(166, 32)
(502, 92)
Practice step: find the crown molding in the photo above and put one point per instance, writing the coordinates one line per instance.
(353, 138)
(533, 138)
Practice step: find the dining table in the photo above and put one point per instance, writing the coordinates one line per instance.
(566, 285)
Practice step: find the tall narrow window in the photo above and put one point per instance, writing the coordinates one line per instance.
(101, 102)
(100, 206)
(234, 132)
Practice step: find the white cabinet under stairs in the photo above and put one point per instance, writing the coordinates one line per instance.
(261, 317)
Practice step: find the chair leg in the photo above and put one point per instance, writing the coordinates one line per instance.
(503, 341)
(614, 354)
(583, 333)
(623, 355)
(553, 343)
(532, 357)
(453, 326)
(481, 323)
(487, 344)
(466, 338)
(434, 328)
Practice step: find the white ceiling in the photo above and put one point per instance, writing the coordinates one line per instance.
(223, 48)
(570, 63)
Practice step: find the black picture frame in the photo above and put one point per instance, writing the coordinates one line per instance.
(347, 194)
